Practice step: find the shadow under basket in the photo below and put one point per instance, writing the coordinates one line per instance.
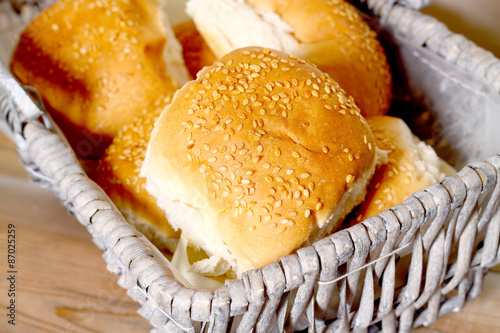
(400, 269)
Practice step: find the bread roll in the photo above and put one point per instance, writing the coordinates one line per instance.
(262, 154)
(118, 175)
(331, 34)
(412, 166)
(195, 50)
(97, 64)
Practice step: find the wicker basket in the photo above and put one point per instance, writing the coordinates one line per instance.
(403, 268)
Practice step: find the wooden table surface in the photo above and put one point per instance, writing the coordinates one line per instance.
(61, 282)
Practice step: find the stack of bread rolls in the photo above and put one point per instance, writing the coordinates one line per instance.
(251, 131)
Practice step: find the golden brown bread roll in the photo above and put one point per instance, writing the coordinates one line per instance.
(118, 174)
(331, 34)
(195, 50)
(97, 64)
(260, 155)
(412, 166)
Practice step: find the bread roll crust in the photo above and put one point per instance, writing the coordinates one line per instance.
(118, 175)
(262, 147)
(195, 51)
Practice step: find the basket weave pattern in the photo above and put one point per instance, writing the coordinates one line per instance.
(403, 268)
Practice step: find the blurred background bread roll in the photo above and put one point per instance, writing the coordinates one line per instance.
(412, 166)
(195, 50)
(331, 34)
(98, 64)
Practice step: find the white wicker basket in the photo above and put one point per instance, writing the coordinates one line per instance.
(403, 268)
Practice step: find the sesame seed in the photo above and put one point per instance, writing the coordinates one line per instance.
(307, 213)
(319, 206)
(349, 178)
(277, 152)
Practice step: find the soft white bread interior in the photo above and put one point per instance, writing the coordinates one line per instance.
(263, 153)
(331, 34)
(97, 64)
(412, 166)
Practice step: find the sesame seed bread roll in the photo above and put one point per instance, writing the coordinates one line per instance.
(97, 64)
(263, 153)
(412, 166)
(118, 175)
(331, 34)
(195, 50)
